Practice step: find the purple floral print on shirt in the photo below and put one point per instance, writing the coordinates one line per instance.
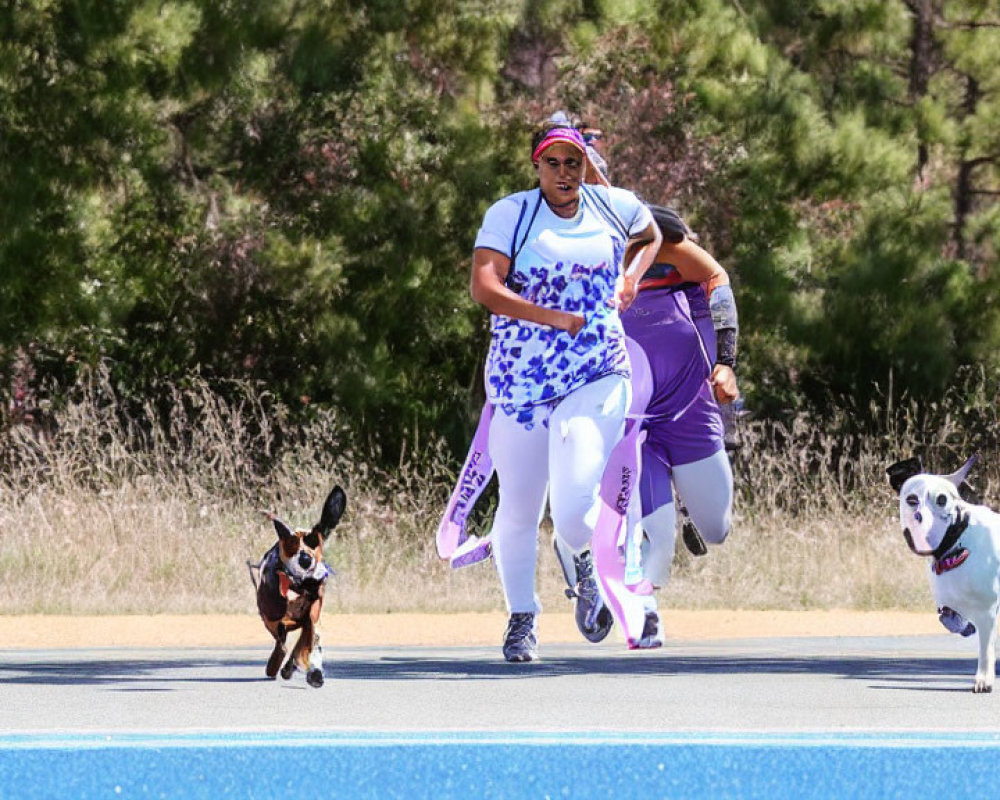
(531, 367)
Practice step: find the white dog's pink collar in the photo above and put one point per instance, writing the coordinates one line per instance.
(950, 561)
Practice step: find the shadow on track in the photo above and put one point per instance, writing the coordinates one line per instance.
(127, 671)
(903, 672)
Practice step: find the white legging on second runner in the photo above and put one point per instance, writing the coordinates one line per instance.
(706, 487)
(568, 459)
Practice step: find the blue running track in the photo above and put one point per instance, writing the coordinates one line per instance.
(509, 765)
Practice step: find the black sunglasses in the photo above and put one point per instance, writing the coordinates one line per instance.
(591, 136)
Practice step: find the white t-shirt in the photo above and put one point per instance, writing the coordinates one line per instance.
(566, 264)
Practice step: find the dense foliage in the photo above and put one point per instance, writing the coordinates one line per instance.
(288, 192)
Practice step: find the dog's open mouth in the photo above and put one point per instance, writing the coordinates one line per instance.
(909, 541)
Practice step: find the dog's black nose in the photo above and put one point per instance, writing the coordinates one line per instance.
(305, 560)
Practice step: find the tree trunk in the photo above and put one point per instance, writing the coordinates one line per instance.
(921, 57)
(964, 184)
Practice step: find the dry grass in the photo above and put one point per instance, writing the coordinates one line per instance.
(157, 511)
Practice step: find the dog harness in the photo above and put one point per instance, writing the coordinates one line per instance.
(273, 573)
(274, 603)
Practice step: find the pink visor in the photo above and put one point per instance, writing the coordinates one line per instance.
(555, 136)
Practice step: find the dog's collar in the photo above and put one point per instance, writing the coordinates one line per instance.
(950, 560)
(956, 529)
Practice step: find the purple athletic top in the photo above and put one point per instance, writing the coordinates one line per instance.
(659, 320)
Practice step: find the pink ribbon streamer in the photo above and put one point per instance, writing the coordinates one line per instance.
(627, 602)
(472, 480)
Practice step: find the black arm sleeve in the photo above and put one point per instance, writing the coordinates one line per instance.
(725, 339)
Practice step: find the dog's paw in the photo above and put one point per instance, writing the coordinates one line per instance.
(288, 670)
(314, 677)
(983, 685)
(955, 622)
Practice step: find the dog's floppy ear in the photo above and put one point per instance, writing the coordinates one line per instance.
(333, 510)
(900, 472)
(280, 527)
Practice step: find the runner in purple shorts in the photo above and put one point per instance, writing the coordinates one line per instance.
(684, 319)
(684, 443)
(685, 324)
(690, 424)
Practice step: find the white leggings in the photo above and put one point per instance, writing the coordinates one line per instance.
(706, 488)
(567, 459)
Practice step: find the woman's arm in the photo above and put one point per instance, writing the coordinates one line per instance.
(486, 285)
(698, 266)
(641, 250)
(694, 263)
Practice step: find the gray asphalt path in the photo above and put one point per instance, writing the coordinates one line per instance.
(815, 684)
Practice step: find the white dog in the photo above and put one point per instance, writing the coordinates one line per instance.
(963, 541)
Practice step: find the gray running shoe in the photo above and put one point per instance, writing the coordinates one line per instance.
(520, 643)
(652, 634)
(593, 617)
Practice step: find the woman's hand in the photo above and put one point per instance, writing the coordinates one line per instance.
(625, 290)
(639, 254)
(576, 323)
(724, 386)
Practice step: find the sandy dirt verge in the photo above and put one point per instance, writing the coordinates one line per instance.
(361, 630)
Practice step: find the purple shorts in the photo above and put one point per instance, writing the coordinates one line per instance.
(684, 424)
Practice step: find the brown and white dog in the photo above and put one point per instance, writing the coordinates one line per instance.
(291, 579)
